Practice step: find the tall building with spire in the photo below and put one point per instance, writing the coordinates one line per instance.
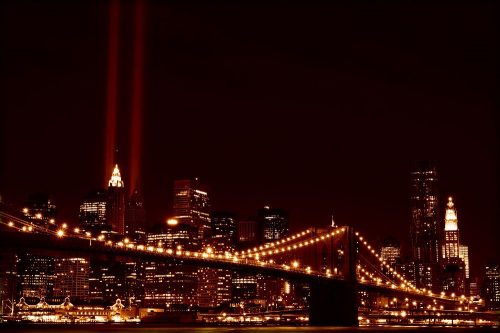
(451, 244)
(453, 266)
(115, 209)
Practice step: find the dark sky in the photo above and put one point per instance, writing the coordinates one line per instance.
(315, 109)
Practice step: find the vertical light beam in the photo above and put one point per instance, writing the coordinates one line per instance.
(112, 88)
(137, 93)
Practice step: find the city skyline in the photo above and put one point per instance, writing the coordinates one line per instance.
(260, 133)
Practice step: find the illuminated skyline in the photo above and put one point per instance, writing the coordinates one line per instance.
(317, 117)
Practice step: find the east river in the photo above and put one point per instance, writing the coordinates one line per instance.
(278, 329)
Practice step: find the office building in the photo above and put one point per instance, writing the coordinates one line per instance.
(192, 205)
(92, 214)
(425, 235)
(451, 233)
(453, 270)
(491, 286)
(135, 218)
(390, 250)
(115, 207)
(171, 285)
(223, 234)
(274, 223)
(35, 276)
(248, 234)
(464, 255)
(71, 278)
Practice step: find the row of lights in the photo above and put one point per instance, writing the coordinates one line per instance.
(289, 247)
(396, 274)
(277, 243)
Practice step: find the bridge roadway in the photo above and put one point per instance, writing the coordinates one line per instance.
(333, 297)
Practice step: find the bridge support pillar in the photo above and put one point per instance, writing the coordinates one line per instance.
(333, 303)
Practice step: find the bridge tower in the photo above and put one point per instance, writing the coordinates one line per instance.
(334, 302)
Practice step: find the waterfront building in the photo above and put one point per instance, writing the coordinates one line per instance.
(71, 278)
(35, 276)
(171, 285)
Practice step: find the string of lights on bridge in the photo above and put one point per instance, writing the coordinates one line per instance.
(251, 256)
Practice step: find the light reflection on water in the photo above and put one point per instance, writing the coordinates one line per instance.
(170, 329)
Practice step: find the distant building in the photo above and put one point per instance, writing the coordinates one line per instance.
(451, 233)
(453, 271)
(464, 255)
(274, 223)
(192, 205)
(224, 229)
(92, 214)
(135, 217)
(115, 207)
(171, 285)
(425, 233)
(110, 279)
(35, 276)
(214, 285)
(71, 279)
(390, 250)
(40, 210)
(248, 233)
(491, 286)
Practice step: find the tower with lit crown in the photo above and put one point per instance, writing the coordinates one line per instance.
(115, 208)
(451, 233)
(453, 267)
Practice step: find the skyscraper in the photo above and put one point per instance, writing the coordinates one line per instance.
(424, 227)
(453, 267)
(464, 255)
(214, 285)
(171, 285)
(390, 250)
(424, 216)
(115, 208)
(491, 286)
(223, 232)
(35, 276)
(71, 279)
(451, 234)
(191, 205)
(135, 217)
(274, 223)
(93, 212)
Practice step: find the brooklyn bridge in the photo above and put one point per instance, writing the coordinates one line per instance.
(338, 263)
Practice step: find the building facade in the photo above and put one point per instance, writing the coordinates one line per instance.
(274, 223)
(92, 214)
(115, 207)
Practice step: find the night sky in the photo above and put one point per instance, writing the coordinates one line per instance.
(317, 109)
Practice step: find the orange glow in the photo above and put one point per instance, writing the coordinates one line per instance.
(112, 86)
